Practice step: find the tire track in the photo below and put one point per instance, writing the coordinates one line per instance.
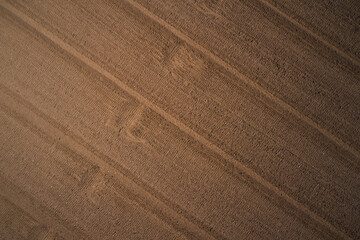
(161, 206)
(255, 128)
(310, 40)
(235, 166)
(331, 46)
(246, 80)
(88, 177)
(13, 193)
(33, 226)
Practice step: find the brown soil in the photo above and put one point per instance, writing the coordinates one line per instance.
(174, 119)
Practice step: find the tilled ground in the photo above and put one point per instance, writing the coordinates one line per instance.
(179, 119)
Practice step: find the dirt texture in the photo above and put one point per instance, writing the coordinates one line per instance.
(195, 119)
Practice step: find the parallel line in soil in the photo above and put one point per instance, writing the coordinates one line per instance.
(343, 54)
(260, 180)
(47, 215)
(221, 163)
(107, 163)
(246, 80)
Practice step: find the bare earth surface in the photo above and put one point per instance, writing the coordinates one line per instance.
(149, 119)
